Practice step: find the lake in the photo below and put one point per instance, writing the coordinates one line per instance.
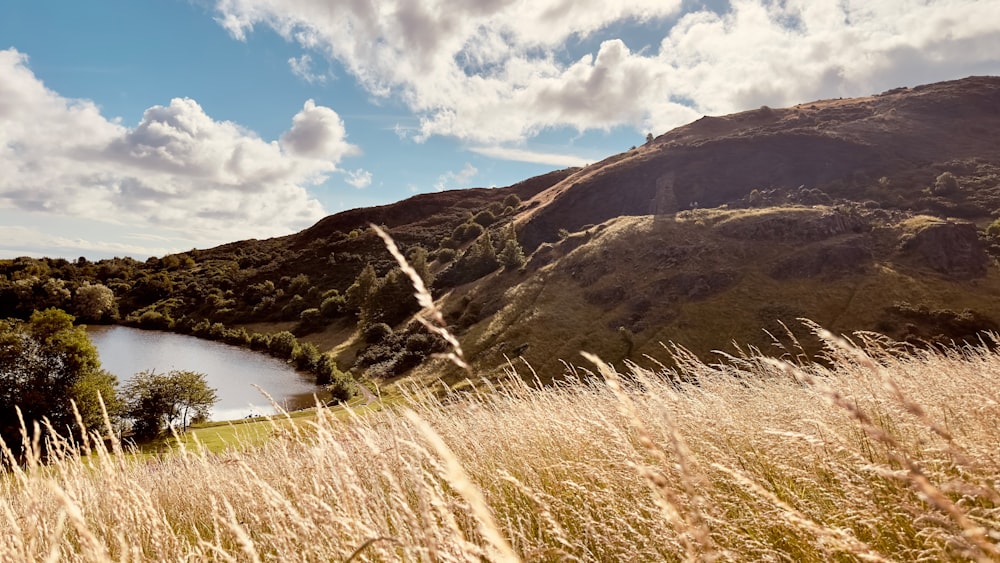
(231, 370)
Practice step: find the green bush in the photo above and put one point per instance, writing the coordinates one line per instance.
(994, 228)
(282, 345)
(332, 305)
(485, 218)
(445, 255)
(305, 356)
(154, 320)
(311, 319)
(373, 334)
(260, 342)
(946, 183)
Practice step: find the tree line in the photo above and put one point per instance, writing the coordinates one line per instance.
(312, 282)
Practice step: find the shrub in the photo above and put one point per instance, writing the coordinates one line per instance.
(945, 184)
(282, 345)
(485, 218)
(295, 306)
(259, 341)
(332, 306)
(305, 356)
(375, 333)
(994, 228)
(216, 331)
(311, 319)
(237, 337)
(467, 231)
(445, 255)
(512, 255)
(154, 320)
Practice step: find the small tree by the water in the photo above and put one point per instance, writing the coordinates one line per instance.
(157, 400)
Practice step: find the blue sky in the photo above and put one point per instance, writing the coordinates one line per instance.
(143, 128)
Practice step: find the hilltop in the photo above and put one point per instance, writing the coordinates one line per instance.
(870, 213)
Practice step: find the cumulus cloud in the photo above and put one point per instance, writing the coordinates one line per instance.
(359, 178)
(495, 71)
(178, 169)
(452, 179)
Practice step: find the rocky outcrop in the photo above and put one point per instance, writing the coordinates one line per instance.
(794, 224)
(949, 247)
(834, 260)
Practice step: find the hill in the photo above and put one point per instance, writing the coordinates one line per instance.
(872, 213)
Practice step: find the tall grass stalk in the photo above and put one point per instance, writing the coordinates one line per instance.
(874, 455)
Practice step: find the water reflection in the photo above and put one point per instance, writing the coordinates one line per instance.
(233, 371)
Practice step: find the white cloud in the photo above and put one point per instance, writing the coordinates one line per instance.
(27, 241)
(452, 179)
(359, 178)
(178, 169)
(495, 71)
(536, 157)
(302, 67)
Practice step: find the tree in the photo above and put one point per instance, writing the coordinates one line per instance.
(95, 302)
(512, 254)
(946, 183)
(649, 138)
(157, 400)
(46, 364)
(361, 291)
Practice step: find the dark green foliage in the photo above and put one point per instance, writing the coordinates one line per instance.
(477, 261)
(398, 352)
(150, 288)
(360, 292)
(375, 333)
(236, 337)
(294, 308)
(44, 364)
(310, 320)
(946, 183)
(512, 255)
(445, 255)
(261, 342)
(393, 300)
(339, 384)
(305, 356)
(155, 401)
(154, 320)
(332, 305)
(299, 284)
(282, 344)
(467, 231)
(485, 218)
(994, 228)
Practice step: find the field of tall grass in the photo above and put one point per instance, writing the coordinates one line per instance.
(874, 454)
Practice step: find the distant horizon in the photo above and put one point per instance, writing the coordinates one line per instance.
(138, 129)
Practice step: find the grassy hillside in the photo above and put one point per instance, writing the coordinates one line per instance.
(884, 455)
(718, 277)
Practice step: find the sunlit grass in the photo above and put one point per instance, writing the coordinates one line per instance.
(879, 456)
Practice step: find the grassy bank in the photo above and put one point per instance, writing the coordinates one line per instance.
(882, 456)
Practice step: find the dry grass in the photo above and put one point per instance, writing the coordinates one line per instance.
(882, 456)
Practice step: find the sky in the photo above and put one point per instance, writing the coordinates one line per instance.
(142, 128)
